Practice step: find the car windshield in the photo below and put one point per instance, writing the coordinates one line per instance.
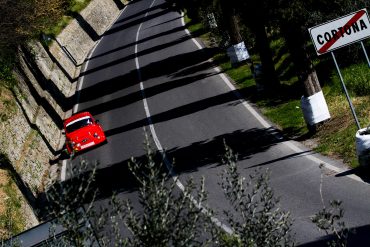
(78, 124)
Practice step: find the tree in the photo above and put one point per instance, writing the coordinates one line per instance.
(257, 219)
(294, 19)
(230, 19)
(168, 216)
(235, 15)
(23, 20)
(255, 15)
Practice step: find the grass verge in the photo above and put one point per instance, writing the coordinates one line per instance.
(336, 137)
(76, 6)
(12, 221)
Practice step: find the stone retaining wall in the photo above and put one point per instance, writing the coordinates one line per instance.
(47, 81)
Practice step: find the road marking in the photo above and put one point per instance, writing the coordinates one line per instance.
(157, 142)
(188, 33)
(63, 172)
(264, 123)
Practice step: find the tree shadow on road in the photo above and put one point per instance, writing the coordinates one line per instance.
(245, 143)
(117, 178)
(361, 171)
(358, 236)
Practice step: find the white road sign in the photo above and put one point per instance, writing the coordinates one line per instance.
(340, 32)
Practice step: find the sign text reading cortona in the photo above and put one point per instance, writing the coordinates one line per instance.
(345, 30)
(340, 32)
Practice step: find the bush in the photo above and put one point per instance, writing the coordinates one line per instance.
(357, 79)
(169, 217)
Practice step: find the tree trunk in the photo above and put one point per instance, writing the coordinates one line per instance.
(254, 16)
(263, 46)
(311, 83)
(231, 21)
(314, 108)
(302, 62)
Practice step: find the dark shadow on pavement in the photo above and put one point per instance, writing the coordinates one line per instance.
(120, 27)
(116, 178)
(142, 13)
(361, 171)
(174, 30)
(119, 4)
(62, 156)
(244, 143)
(137, 96)
(359, 236)
(177, 112)
(190, 57)
(290, 156)
(193, 62)
(106, 182)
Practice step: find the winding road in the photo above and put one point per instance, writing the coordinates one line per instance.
(148, 73)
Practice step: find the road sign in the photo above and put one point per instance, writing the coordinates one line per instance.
(340, 32)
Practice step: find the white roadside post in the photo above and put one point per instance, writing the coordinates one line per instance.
(334, 34)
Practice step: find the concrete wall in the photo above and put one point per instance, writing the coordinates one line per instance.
(45, 95)
(80, 35)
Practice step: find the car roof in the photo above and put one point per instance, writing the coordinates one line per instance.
(77, 116)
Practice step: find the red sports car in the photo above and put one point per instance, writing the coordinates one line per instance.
(82, 131)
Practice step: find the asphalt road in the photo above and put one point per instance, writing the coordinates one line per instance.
(148, 73)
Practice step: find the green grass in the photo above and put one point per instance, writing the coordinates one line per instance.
(56, 29)
(7, 63)
(340, 145)
(76, 6)
(335, 138)
(12, 219)
(288, 116)
(357, 79)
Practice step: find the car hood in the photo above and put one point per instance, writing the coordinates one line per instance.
(85, 133)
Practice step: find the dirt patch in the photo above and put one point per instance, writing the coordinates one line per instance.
(336, 123)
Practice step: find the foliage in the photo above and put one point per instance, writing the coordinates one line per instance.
(331, 221)
(71, 203)
(74, 6)
(11, 219)
(289, 117)
(357, 79)
(169, 217)
(7, 61)
(257, 220)
(38, 14)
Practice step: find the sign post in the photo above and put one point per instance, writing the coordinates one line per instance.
(346, 92)
(338, 33)
(366, 56)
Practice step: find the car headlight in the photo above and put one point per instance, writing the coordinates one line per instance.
(73, 144)
(96, 135)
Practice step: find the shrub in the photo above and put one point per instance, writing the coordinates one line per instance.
(169, 217)
(357, 79)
